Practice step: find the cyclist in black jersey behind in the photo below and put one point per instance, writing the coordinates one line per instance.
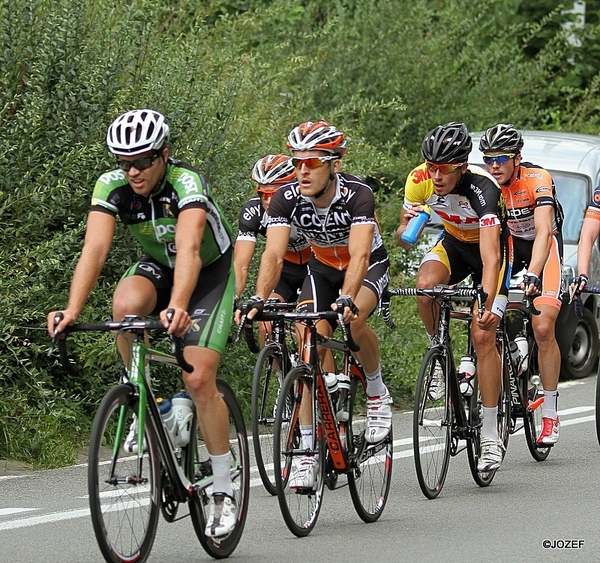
(187, 267)
(475, 242)
(336, 213)
(270, 173)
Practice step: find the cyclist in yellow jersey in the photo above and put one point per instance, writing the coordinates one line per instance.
(475, 242)
(534, 220)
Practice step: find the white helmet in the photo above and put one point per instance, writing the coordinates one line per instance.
(273, 169)
(136, 132)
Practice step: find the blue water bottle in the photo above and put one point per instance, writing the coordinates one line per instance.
(415, 226)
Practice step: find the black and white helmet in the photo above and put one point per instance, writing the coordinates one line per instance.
(136, 132)
(447, 144)
(502, 137)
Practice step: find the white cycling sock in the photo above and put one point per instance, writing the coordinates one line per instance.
(489, 428)
(375, 385)
(221, 467)
(549, 404)
(306, 435)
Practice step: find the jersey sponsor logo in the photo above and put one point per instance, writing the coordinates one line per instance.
(489, 221)
(189, 183)
(251, 212)
(164, 230)
(520, 192)
(477, 191)
(151, 270)
(519, 212)
(112, 176)
(542, 189)
(457, 219)
(534, 175)
(167, 210)
(597, 197)
(420, 175)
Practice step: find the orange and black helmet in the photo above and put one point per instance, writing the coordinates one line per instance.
(317, 135)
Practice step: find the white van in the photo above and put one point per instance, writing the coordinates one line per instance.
(574, 162)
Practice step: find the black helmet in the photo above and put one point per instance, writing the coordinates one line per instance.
(448, 144)
(501, 137)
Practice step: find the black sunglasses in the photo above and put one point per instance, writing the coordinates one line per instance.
(139, 163)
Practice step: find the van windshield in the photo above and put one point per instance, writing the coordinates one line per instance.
(572, 191)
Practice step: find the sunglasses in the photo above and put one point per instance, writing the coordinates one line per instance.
(498, 159)
(139, 163)
(443, 168)
(311, 161)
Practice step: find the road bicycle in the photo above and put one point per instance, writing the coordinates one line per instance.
(339, 444)
(446, 423)
(130, 485)
(525, 384)
(275, 359)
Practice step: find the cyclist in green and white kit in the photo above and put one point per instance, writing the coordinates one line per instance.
(187, 266)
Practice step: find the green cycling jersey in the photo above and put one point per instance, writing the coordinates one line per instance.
(153, 220)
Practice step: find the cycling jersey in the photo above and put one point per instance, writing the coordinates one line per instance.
(593, 209)
(475, 203)
(152, 220)
(253, 221)
(327, 230)
(532, 187)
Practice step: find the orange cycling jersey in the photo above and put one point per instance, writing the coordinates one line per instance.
(533, 187)
(475, 203)
(593, 210)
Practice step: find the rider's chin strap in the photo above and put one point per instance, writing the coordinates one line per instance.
(329, 182)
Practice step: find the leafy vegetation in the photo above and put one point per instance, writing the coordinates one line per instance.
(233, 78)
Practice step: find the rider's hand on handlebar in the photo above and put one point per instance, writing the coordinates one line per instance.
(248, 309)
(57, 321)
(532, 284)
(176, 320)
(346, 307)
(577, 285)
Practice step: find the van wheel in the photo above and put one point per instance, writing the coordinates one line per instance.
(583, 354)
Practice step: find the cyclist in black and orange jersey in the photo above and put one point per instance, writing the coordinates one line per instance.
(475, 242)
(270, 173)
(535, 221)
(336, 213)
(187, 267)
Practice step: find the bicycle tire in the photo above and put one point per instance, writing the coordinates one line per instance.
(432, 424)
(198, 468)
(124, 506)
(370, 478)
(533, 418)
(266, 384)
(299, 507)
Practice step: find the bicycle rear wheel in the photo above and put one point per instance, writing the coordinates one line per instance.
(370, 478)
(432, 424)
(124, 488)
(265, 390)
(533, 408)
(199, 471)
(299, 507)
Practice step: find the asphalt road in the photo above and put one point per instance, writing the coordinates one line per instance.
(532, 511)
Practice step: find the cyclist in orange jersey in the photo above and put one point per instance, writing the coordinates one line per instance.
(535, 220)
(474, 242)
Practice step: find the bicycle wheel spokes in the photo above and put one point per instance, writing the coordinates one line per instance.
(432, 424)
(265, 391)
(299, 506)
(123, 487)
(370, 479)
(199, 470)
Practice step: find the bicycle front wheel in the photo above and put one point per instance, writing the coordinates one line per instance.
(432, 424)
(124, 487)
(199, 470)
(265, 391)
(533, 405)
(371, 475)
(300, 506)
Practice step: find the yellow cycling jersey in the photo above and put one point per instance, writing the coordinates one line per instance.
(475, 203)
